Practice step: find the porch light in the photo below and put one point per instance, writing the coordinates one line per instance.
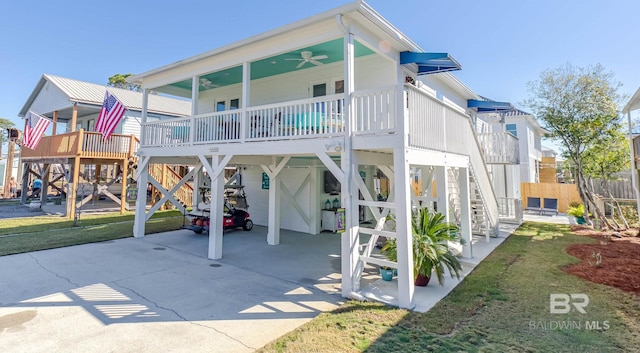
(333, 147)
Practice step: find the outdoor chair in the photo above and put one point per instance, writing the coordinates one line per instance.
(533, 204)
(550, 206)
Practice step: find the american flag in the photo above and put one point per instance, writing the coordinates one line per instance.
(35, 128)
(110, 115)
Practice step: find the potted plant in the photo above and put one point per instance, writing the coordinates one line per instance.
(431, 232)
(386, 273)
(577, 210)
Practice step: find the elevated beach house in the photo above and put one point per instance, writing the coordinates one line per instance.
(75, 160)
(341, 95)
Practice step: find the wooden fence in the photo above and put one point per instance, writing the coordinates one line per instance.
(565, 193)
(621, 188)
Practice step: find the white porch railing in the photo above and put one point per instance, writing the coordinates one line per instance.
(294, 119)
(441, 126)
(499, 148)
(307, 117)
(510, 209)
(375, 111)
(426, 120)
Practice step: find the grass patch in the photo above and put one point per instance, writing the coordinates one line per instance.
(19, 235)
(502, 306)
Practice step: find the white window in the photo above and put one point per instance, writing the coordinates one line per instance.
(227, 104)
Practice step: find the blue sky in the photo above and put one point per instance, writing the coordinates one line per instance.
(501, 44)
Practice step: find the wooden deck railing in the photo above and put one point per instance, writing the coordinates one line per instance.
(83, 144)
(169, 178)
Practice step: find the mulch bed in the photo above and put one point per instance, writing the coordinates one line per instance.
(611, 261)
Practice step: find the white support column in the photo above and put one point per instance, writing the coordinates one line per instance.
(402, 195)
(195, 98)
(140, 218)
(402, 188)
(145, 103)
(195, 94)
(442, 190)
(273, 231)
(215, 168)
(216, 214)
(197, 179)
(349, 239)
(465, 213)
(244, 101)
(368, 181)
(314, 199)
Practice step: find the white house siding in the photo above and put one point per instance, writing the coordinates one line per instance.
(292, 178)
(49, 99)
(443, 91)
(506, 180)
(295, 85)
(130, 124)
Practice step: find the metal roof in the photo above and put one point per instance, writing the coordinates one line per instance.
(93, 94)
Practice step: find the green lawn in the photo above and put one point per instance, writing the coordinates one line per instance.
(502, 306)
(24, 234)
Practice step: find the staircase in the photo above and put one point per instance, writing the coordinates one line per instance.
(480, 223)
(169, 178)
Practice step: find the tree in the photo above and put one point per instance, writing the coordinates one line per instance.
(579, 106)
(120, 81)
(4, 125)
(603, 162)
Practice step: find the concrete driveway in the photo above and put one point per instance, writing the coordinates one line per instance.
(161, 294)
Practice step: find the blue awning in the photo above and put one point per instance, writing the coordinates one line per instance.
(430, 63)
(488, 106)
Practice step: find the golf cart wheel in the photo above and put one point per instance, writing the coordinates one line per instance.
(248, 225)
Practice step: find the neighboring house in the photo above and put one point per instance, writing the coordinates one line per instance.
(341, 93)
(15, 170)
(79, 154)
(526, 128)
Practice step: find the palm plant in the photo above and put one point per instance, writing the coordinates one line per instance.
(431, 232)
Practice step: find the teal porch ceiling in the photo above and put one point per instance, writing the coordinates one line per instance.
(275, 65)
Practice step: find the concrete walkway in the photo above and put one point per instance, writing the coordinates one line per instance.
(161, 294)
(427, 297)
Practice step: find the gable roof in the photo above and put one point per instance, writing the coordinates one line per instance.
(91, 94)
(359, 11)
(527, 116)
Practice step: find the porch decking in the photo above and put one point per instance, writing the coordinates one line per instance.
(82, 144)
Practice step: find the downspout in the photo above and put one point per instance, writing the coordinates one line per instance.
(634, 170)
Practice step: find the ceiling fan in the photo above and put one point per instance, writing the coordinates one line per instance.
(307, 57)
(207, 84)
